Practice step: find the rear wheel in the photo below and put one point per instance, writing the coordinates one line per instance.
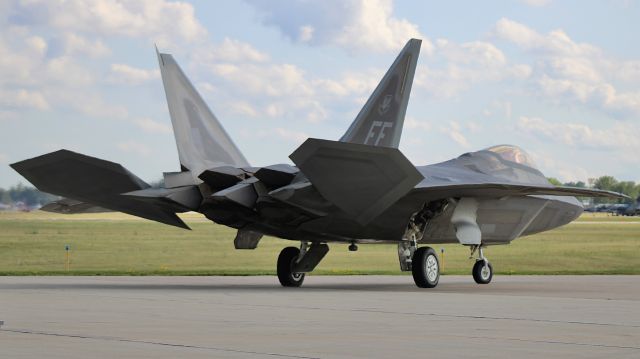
(425, 267)
(286, 261)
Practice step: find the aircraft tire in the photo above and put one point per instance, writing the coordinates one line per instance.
(480, 275)
(425, 267)
(286, 261)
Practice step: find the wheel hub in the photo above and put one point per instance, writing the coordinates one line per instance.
(485, 272)
(432, 268)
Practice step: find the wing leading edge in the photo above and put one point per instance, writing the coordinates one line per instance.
(508, 189)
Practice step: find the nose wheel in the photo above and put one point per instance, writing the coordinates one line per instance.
(482, 270)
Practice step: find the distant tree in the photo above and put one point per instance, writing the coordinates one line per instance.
(607, 183)
(157, 184)
(29, 196)
(578, 184)
(627, 187)
(554, 181)
(4, 196)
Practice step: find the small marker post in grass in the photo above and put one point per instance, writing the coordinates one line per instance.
(67, 256)
(441, 259)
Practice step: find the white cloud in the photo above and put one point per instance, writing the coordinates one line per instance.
(602, 96)
(135, 148)
(567, 71)
(454, 68)
(619, 137)
(290, 135)
(231, 50)
(356, 25)
(23, 99)
(556, 42)
(480, 53)
(151, 126)
(271, 80)
(537, 3)
(350, 83)
(281, 133)
(67, 71)
(499, 109)
(89, 103)
(454, 131)
(550, 164)
(243, 108)
(162, 21)
(414, 124)
(77, 44)
(373, 26)
(306, 33)
(125, 74)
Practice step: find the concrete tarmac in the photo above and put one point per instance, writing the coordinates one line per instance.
(329, 317)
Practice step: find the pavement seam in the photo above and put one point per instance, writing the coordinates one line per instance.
(175, 345)
(550, 342)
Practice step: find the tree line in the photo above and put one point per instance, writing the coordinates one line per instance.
(26, 195)
(608, 183)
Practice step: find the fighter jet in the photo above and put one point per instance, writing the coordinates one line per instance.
(358, 189)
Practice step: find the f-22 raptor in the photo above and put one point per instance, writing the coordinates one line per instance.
(358, 189)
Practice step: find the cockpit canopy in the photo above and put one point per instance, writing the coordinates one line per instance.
(513, 154)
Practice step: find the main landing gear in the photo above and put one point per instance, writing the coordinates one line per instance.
(425, 267)
(422, 262)
(482, 270)
(294, 263)
(286, 262)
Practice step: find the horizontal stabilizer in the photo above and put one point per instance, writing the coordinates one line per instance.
(92, 180)
(361, 180)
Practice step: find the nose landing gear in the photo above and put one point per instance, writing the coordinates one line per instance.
(482, 270)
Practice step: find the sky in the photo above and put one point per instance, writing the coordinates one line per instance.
(560, 79)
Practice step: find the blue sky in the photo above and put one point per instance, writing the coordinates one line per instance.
(559, 78)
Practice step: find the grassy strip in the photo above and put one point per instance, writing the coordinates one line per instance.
(116, 244)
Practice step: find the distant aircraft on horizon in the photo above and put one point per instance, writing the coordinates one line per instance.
(359, 189)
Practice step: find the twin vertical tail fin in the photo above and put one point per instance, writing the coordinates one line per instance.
(367, 157)
(380, 121)
(202, 141)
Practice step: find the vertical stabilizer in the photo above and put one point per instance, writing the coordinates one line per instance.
(380, 121)
(202, 141)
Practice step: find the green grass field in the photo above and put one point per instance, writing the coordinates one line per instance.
(117, 244)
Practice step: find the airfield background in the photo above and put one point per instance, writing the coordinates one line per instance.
(118, 244)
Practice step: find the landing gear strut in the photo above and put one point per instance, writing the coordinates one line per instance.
(482, 270)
